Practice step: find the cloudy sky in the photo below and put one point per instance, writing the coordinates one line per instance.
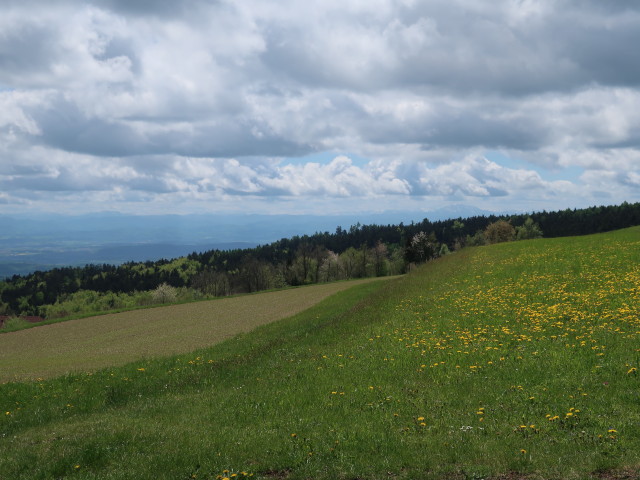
(318, 106)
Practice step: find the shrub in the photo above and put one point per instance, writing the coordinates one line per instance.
(164, 293)
(499, 231)
(14, 323)
(528, 230)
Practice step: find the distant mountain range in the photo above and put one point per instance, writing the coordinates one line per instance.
(44, 241)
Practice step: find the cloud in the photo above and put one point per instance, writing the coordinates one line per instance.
(208, 99)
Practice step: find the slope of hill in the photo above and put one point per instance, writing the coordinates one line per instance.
(518, 360)
(113, 339)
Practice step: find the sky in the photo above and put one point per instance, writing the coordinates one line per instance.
(317, 106)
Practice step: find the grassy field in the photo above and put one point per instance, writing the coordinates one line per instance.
(518, 360)
(116, 339)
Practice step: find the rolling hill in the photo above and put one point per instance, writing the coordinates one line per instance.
(518, 360)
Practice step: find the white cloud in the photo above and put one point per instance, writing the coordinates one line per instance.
(207, 100)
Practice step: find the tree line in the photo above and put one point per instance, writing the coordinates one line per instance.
(360, 251)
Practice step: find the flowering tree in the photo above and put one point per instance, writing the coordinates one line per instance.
(164, 293)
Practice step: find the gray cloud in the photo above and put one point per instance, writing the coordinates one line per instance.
(126, 98)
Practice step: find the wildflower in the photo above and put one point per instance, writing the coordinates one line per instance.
(420, 419)
(632, 370)
(523, 451)
(294, 435)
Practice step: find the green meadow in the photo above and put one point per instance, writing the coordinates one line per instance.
(517, 360)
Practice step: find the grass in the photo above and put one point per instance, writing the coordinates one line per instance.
(518, 360)
(113, 339)
(13, 324)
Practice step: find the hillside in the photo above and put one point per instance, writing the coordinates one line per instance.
(518, 360)
(90, 343)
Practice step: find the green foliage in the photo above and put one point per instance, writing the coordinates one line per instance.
(498, 232)
(477, 240)
(184, 267)
(529, 230)
(13, 324)
(89, 301)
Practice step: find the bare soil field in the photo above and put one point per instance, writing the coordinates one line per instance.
(88, 344)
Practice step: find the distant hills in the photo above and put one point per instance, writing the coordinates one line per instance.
(44, 241)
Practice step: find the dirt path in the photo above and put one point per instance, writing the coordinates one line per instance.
(115, 339)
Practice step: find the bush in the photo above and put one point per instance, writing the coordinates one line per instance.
(529, 230)
(477, 240)
(499, 231)
(14, 323)
(165, 293)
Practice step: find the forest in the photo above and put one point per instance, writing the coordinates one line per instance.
(356, 252)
